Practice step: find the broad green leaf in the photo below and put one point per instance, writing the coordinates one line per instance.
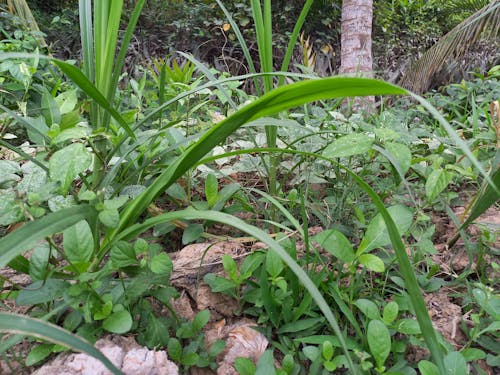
(265, 365)
(9, 171)
(200, 320)
(161, 264)
(230, 267)
(390, 312)
(372, 262)
(274, 264)
(118, 322)
(300, 325)
(38, 354)
(20, 324)
(474, 354)
(369, 308)
(123, 255)
(78, 132)
(250, 264)
(50, 109)
(174, 349)
(348, 145)
(407, 326)
(219, 284)
(455, 364)
(78, 242)
(109, 217)
(66, 101)
(42, 291)
(27, 236)
(192, 233)
(39, 261)
(311, 352)
(437, 181)
(244, 366)
(67, 163)
(402, 154)
(34, 178)
(327, 350)
(377, 235)
(211, 189)
(428, 368)
(379, 341)
(336, 244)
(10, 209)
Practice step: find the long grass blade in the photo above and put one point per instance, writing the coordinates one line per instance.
(293, 38)
(29, 234)
(20, 324)
(278, 100)
(485, 198)
(191, 214)
(243, 45)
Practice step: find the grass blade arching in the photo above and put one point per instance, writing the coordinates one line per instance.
(20, 324)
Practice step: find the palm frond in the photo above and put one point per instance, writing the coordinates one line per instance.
(485, 23)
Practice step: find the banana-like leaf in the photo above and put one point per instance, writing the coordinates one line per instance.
(14, 323)
(483, 23)
(29, 234)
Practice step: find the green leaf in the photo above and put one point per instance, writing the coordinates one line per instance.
(39, 261)
(161, 264)
(327, 350)
(78, 242)
(402, 155)
(38, 354)
(219, 284)
(390, 312)
(174, 349)
(428, 368)
(348, 145)
(66, 101)
(407, 326)
(211, 190)
(42, 291)
(379, 341)
(67, 163)
(192, 233)
(34, 178)
(455, 364)
(377, 236)
(200, 320)
(274, 264)
(437, 181)
(300, 325)
(369, 308)
(27, 236)
(265, 365)
(50, 109)
(230, 267)
(78, 132)
(122, 254)
(244, 366)
(14, 323)
(10, 209)
(336, 244)
(372, 262)
(118, 322)
(109, 217)
(474, 354)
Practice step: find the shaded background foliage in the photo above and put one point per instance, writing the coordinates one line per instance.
(403, 30)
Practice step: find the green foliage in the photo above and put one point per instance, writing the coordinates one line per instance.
(117, 161)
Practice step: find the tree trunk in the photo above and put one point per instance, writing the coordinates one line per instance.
(356, 42)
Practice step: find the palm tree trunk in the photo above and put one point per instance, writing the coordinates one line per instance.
(356, 42)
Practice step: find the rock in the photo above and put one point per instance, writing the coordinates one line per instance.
(124, 353)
